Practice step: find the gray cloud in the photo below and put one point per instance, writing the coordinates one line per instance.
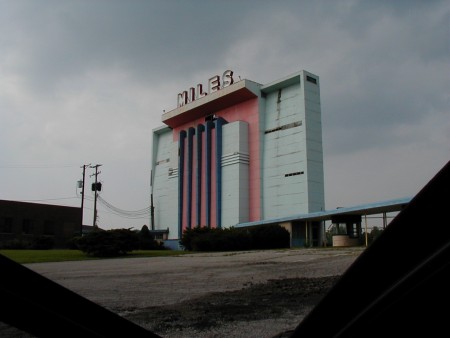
(87, 81)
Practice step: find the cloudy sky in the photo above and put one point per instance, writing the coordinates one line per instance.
(85, 82)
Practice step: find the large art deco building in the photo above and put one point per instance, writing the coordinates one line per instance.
(236, 152)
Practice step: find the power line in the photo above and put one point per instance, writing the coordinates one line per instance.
(142, 213)
(130, 214)
(97, 186)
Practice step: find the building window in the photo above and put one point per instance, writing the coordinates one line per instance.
(6, 225)
(311, 79)
(341, 229)
(49, 228)
(294, 174)
(286, 126)
(27, 226)
(354, 230)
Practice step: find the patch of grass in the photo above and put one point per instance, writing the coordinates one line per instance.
(38, 256)
(42, 256)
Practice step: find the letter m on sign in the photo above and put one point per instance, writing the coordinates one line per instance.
(182, 98)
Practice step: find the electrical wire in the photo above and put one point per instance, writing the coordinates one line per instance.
(132, 214)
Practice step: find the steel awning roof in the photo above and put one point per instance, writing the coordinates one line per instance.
(363, 209)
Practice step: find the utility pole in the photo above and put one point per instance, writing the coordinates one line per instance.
(152, 212)
(95, 188)
(152, 207)
(82, 196)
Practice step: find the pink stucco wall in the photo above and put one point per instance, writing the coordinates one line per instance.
(246, 111)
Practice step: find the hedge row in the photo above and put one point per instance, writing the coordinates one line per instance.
(33, 243)
(233, 239)
(116, 242)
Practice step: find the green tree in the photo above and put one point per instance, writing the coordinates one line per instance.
(146, 240)
(371, 236)
(376, 231)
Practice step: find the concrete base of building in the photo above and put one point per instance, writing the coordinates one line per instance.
(172, 244)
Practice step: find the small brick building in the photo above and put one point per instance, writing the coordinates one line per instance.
(26, 221)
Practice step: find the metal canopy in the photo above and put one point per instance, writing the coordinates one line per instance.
(364, 209)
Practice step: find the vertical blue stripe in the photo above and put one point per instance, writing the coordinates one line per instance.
(191, 133)
(219, 123)
(180, 181)
(200, 129)
(209, 126)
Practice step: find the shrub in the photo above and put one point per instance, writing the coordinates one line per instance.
(237, 239)
(29, 243)
(73, 243)
(220, 240)
(43, 243)
(214, 239)
(271, 236)
(15, 244)
(109, 243)
(190, 234)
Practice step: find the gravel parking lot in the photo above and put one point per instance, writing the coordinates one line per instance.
(227, 294)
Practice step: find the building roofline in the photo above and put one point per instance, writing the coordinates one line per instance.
(37, 203)
(363, 209)
(238, 92)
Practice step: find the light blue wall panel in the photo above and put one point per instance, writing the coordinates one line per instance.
(292, 150)
(235, 174)
(284, 153)
(313, 131)
(164, 186)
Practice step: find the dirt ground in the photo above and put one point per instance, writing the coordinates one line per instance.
(235, 294)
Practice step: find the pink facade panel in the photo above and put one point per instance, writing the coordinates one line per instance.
(245, 111)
